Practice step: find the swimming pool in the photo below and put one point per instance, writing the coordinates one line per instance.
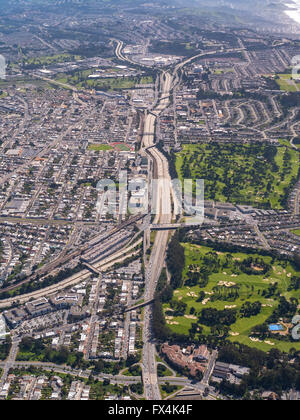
(276, 327)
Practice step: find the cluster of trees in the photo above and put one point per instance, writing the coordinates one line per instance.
(160, 328)
(175, 261)
(102, 366)
(268, 371)
(171, 160)
(285, 310)
(291, 100)
(200, 277)
(137, 388)
(269, 154)
(5, 347)
(92, 50)
(297, 139)
(164, 291)
(135, 370)
(225, 293)
(271, 84)
(254, 266)
(171, 48)
(161, 370)
(178, 307)
(295, 283)
(31, 349)
(168, 388)
(38, 284)
(249, 309)
(212, 317)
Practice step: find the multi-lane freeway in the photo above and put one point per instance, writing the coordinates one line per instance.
(161, 202)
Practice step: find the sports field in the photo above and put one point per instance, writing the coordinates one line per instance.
(100, 147)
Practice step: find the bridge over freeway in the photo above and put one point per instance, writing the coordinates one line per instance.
(140, 305)
(91, 267)
(165, 226)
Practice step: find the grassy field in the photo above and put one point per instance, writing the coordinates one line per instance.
(251, 289)
(81, 80)
(53, 59)
(296, 232)
(222, 71)
(121, 147)
(287, 83)
(241, 174)
(100, 147)
(167, 390)
(133, 371)
(163, 371)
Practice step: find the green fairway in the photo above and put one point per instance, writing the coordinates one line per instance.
(258, 175)
(229, 288)
(48, 60)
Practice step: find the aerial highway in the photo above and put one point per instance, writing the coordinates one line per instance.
(162, 207)
(163, 214)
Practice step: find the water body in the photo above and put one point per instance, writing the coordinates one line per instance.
(294, 10)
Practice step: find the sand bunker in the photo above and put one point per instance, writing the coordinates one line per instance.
(192, 294)
(226, 283)
(190, 316)
(204, 302)
(255, 340)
